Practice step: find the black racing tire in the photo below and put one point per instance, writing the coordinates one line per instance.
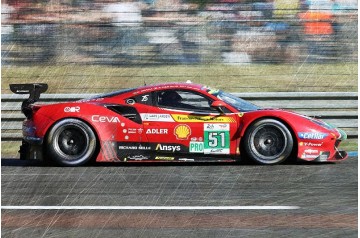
(268, 141)
(71, 142)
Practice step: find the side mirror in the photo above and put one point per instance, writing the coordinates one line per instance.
(218, 106)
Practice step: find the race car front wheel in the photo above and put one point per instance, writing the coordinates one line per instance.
(71, 142)
(268, 141)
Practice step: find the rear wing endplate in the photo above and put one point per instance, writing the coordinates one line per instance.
(34, 89)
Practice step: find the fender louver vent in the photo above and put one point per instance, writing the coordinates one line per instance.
(125, 111)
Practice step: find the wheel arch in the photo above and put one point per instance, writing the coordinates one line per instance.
(283, 121)
(96, 132)
(72, 117)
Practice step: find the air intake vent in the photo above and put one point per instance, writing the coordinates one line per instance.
(126, 111)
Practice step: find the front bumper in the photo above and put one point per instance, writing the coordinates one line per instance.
(326, 150)
(338, 156)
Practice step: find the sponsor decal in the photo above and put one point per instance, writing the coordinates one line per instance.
(209, 126)
(164, 158)
(157, 131)
(134, 147)
(315, 154)
(170, 148)
(312, 135)
(98, 118)
(193, 118)
(215, 126)
(307, 156)
(196, 147)
(216, 138)
(137, 157)
(156, 117)
(196, 139)
(133, 130)
(311, 152)
(182, 132)
(310, 144)
(240, 114)
(124, 147)
(144, 98)
(72, 109)
(141, 147)
(186, 159)
(218, 151)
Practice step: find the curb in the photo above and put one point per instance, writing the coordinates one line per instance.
(353, 153)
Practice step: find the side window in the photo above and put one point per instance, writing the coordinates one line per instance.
(184, 100)
(142, 98)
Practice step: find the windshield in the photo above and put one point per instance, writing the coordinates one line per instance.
(234, 101)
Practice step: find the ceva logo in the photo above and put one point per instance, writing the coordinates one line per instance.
(98, 118)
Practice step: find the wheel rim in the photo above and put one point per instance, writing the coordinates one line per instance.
(268, 142)
(72, 142)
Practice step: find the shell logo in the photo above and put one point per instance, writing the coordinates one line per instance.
(182, 132)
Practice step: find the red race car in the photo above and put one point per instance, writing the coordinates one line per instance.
(170, 122)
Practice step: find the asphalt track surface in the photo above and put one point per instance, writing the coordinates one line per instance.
(325, 194)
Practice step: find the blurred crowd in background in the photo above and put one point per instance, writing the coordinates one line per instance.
(154, 32)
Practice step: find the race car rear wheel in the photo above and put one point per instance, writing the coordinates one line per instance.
(268, 141)
(71, 142)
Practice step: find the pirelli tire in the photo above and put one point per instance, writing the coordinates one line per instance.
(71, 142)
(268, 141)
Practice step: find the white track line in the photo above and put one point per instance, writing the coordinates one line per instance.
(149, 207)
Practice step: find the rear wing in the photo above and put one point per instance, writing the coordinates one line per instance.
(34, 89)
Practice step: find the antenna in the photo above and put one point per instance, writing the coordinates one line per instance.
(144, 83)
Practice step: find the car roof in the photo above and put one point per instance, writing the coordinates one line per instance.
(149, 88)
(170, 86)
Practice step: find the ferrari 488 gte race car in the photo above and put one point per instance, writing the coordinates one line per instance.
(170, 122)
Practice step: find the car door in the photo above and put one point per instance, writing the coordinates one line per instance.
(182, 121)
(132, 143)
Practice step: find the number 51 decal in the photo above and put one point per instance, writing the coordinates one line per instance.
(216, 138)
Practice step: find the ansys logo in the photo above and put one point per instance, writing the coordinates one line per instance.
(171, 148)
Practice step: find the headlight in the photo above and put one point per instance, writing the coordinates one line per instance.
(321, 123)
